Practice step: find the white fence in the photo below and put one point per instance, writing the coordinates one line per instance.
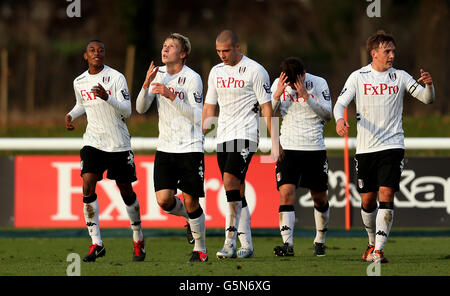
(142, 143)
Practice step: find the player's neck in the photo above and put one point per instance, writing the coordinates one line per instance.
(379, 68)
(174, 68)
(238, 59)
(95, 69)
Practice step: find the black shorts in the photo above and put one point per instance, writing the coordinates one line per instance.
(185, 171)
(382, 168)
(234, 157)
(120, 165)
(307, 169)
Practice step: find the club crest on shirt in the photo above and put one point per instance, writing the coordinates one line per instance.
(267, 88)
(125, 94)
(309, 85)
(200, 172)
(278, 176)
(360, 183)
(326, 95)
(393, 76)
(242, 70)
(198, 97)
(181, 80)
(106, 79)
(245, 153)
(325, 167)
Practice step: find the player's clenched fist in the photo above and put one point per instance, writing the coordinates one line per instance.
(68, 122)
(100, 92)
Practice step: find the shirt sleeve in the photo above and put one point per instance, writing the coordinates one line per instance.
(78, 109)
(144, 100)
(273, 89)
(424, 94)
(211, 94)
(321, 104)
(347, 94)
(261, 86)
(121, 98)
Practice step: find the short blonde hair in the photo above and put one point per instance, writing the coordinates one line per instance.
(228, 35)
(184, 41)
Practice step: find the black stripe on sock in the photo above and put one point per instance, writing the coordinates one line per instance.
(244, 202)
(368, 210)
(323, 209)
(129, 200)
(233, 195)
(195, 214)
(386, 205)
(89, 199)
(286, 208)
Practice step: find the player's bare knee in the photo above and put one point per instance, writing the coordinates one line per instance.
(319, 198)
(165, 203)
(231, 182)
(191, 203)
(287, 194)
(386, 194)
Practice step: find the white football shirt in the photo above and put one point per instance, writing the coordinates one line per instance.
(302, 125)
(106, 128)
(239, 90)
(179, 121)
(379, 106)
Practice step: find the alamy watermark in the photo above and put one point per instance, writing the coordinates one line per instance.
(74, 8)
(374, 8)
(74, 268)
(374, 269)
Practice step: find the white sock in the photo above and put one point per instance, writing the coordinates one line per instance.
(369, 221)
(244, 230)
(135, 221)
(198, 229)
(385, 217)
(321, 219)
(179, 209)
(232, 221)
(91, 217)
(286, 221)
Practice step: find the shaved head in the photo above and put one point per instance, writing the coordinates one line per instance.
(226, 36)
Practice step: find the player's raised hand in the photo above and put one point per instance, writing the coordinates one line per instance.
(281, 86)
(159, 88)
(425, 77)
(100, 92)
(342, 127)
(68, 122)
(151, 74)
(300, 87)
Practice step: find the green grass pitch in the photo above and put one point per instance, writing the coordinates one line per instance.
(168, 255)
